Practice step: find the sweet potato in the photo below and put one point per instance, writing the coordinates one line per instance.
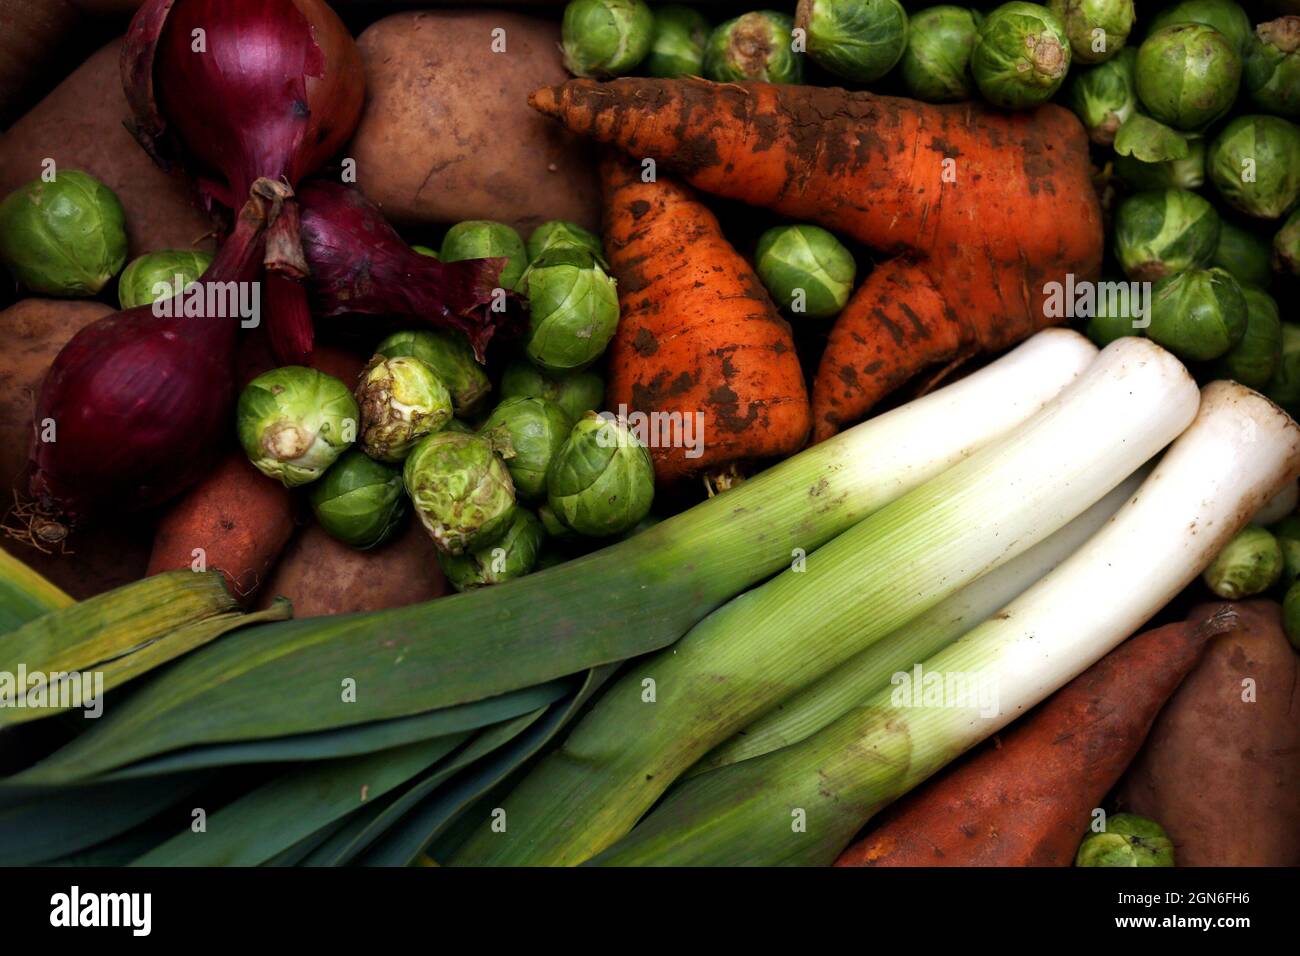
(323, 576)
(79, 126)
(447, 133)
(32, 35)
(1219, 771)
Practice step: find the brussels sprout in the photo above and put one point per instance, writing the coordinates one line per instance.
(1249, 565)
(461, 490)
(452, 360)
(359, 501)
(1242, 253)
(401, 401)
(1253, 361)
(859, 40)
(1151, 141)
(1286, 246)
(806, 269)
(677, 48)
(1253, 164)
(1187, 173)
(1128, 840)
(577, 392)
(1272, 71)
(1198, 315)
(936, 64)
(573, 309)
(484, 239)
(754, 46)
(1021, 55)
(1187, 75)
(1223, 15)
(295, 422)
(1287, 532)
(557, 232)
(425, 251)
(1097, 29)
(1104, 96)
(160, 275)
(604, 38)
(1113, 319)
(511, 556)
(529, 431)
(1285, 387)
(1291, 614)
(1158, 234)
(457, 426)
(555, 528)
(601, 481)
(66, 237)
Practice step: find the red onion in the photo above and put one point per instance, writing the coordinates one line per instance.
(275, 91)
(359, 264)
(141, 402)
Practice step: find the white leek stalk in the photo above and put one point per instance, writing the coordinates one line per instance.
(802, 804)
(672, 708)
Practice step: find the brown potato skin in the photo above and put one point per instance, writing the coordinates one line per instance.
(1220, 775)
(79, 126)
(106, 555)
(447, 133)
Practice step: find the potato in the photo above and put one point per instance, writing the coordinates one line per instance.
(33, 36)
(1220, 774)
(447, 133)
(323, 576)
(79, 126)
(103, 557)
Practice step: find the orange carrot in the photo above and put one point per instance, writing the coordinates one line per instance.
(697, 332)
(1026, 798)
(984, 208)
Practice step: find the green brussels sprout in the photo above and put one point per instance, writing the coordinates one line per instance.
(577, 392)
(806, 269)
(1253, 164)
(1286, 246)
(1097, 29)
(1158, 234)
(1187, 173)
(511, 556)
(1287, 532)
(1223, 15)
(573, 309)
(401, 401)
(1151, 141)
(1272, 71)
(859, 40)
(484, 239)
(557, 232)
(936, 63)
(295, 422)
(1104, 96)
(1291, 614)
(604, 38)
(1253, 361)
(1198, 315)
(1128, 840)
(359, 501)
(160, 275)
(425, 251)
(1285, 387)
(754, 46)
(529, 431)
(1244, 254)
(66, 237)
(555, 528)
(1187, 75)
(452, 360)
(677, 47)
(461, 490)
(1113, 319)
(601, 481)
(1021, 55)
(1249, 565)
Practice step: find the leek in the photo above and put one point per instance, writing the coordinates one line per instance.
(857, 679)
(801, 805)
(24, 594)
(669, 710)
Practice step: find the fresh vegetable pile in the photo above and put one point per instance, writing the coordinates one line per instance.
(629, 434)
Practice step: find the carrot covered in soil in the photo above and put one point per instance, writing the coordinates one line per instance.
(1027, 797)
(697, 331)
(982, 208)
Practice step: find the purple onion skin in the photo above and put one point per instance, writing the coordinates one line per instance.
(359, 264)
(141, 404)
